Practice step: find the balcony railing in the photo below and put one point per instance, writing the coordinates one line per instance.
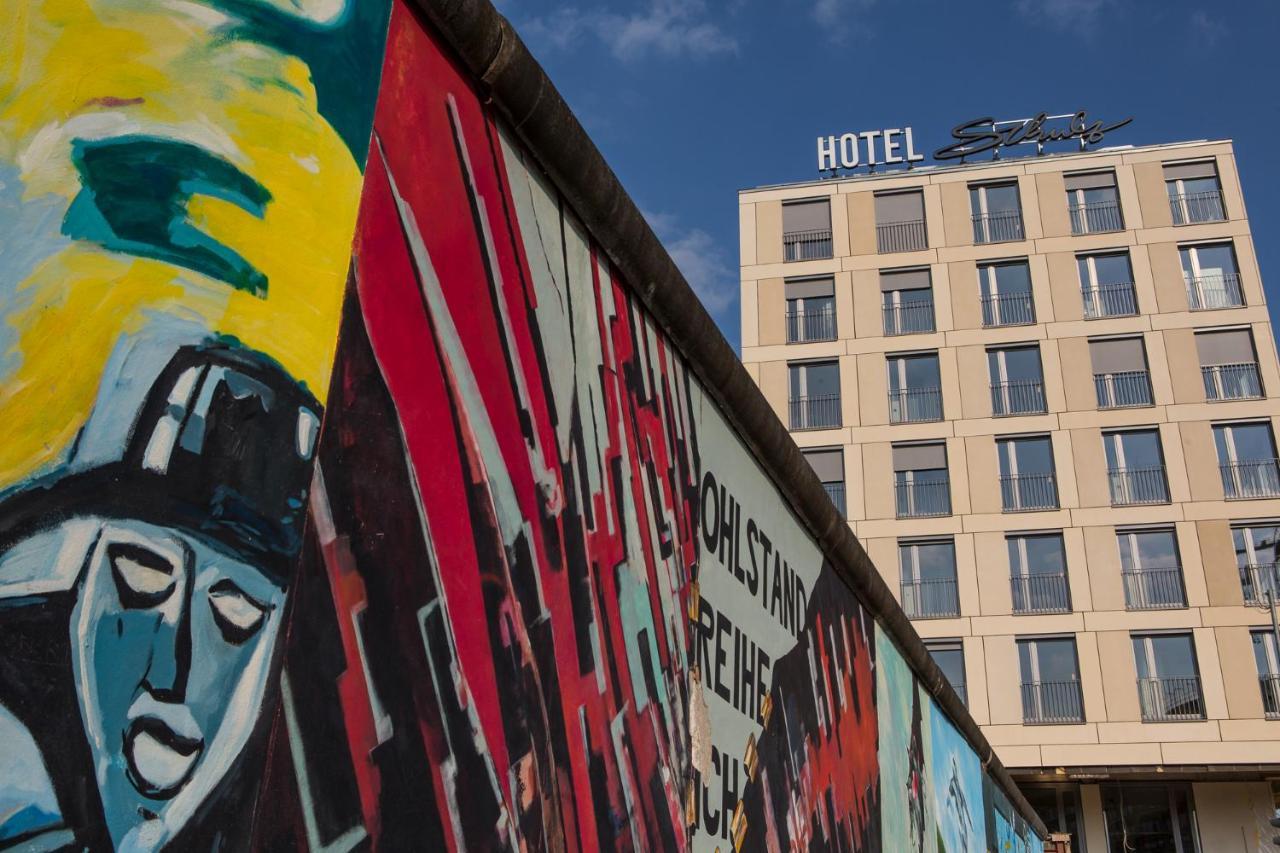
(1170, 699)
(1050, 702)
(1210, 292)
(930, 599)
(1231, 381)
(1000, 227)
(1123, 390)
(1254, 478)
(1190, 208)
(1153, 588)
(1270, 685)
(1008, 309)
(1256, 579)
(909, 318)
(1096, 217)
(1024, 397)
(1028, 492)
(805, 326)
(915, 405)
(906, 236)
(1109, 300)
(1138, 486)
(822, 412)
(806, 245)
(835, 491)
(924, 498)
(1040, 593)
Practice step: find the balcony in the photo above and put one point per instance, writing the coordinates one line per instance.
(1109, 300)
(822, 412)
(924, 498)
(1138, 486)
(907, 236)
(1254, 478)
(1028, 492)
(1125, 389)
(1024, 397)
(1004, 226)
(1153, 588)
(1052, 703)
(835, 491)
(1211, 292)
(807, 326)
(1046, 593)
(1097, 217)
(1166, 700)
(1257, 579)
(938, 598)
(915, 405)
(1190, 208)
(1008, 309)
(1231, 382)
(909, 318)
(1270, 685)
(806, 245)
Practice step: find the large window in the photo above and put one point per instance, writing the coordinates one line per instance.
(1247, 460)
(1005, 291)
(1258, 559)
(1194, 192)
(929, 579)
(1017, 380)
(1149, 818)
(907, 301)
(1027, 475)
(1106, 285)
(1093, 203)
(1168, 677)
(949, 656)
(1059, 808)
(1120, 375)
(900, 222)
(1151, 569)
(811, 310)
(815, 395)
(1135, 467)
(806, 230)
(1211, 276)
(921, 485)
(915, 388)
(1038, 568)
(997, 212)
(1050, 680)
(1228, 365)
(828, 464)
(1265, 656)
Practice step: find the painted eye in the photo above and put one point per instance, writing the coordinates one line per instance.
(143, 577)
(237, 615)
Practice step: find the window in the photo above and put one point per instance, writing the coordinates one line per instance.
(1005, 291)
(1258, 559)
(1050, 680)
(929, 579)
(1194, 192)
(1027, 478)
(1247, 460)
(828, 464)
(1135, 467)
(949, 656)
(1059, 808)
(1211, 276)
(1149, 818)
(915, 388)
(1264, 655)
(921, 483)
(900, 222)
(811, 310)
(997, 212)
(907, 300)
(815, 395)
(1168, 677)
(1151, 569)
(1120, 376)
(1106, 285)
(1038, 563)
(806, 230)
(1093, 203)
(1017, 380)
(1228, 365)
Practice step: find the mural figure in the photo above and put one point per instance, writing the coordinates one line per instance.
(957, 788)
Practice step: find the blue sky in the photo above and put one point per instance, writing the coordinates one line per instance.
(692, 100)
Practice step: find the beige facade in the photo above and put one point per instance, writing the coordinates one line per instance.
(1176, 359)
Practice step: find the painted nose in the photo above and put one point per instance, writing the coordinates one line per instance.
(169, 664)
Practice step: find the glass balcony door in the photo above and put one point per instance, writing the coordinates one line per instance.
(1258, 559)
(1106, 285)
(1247, 460)
(1151, 569)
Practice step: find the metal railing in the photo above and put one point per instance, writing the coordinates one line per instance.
(835, 491)
(1000, 227)
(1189, 208)
(822, 412)
(1122, 390)
(1231, 381)
(1025, 492)
(915, 405)
(906, 236)
(1008, 309)
(1256, 579)
(806, 245)
(1040, 593)
(1096, 217)
(1253, 478)
(938, 598)
(1049, 702)
(1270, 685)
(1153, 588)
(909, 318)
(1109, 300)
(1138, 486)
(804, 326)
(1024, 397)
(1210, 292)
(924, 498)
(1170, 699)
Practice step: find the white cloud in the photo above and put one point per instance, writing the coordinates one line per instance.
(840, 18)
(705, 265)
(1206, 30)
(1080, 16)
(667, 28)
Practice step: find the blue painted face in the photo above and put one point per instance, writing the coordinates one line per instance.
(171, 644)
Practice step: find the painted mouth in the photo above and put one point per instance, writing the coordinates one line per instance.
(160, 761)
